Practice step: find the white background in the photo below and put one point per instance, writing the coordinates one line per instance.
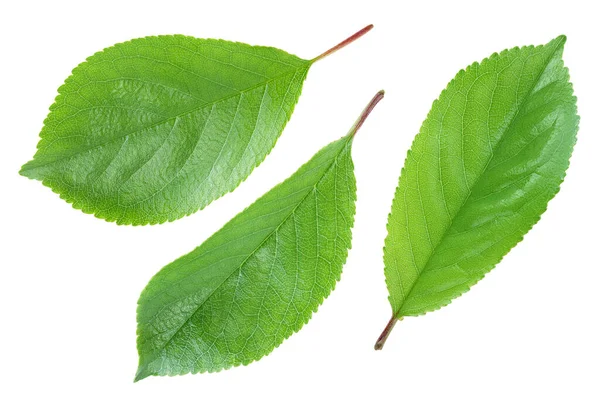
(69, 282)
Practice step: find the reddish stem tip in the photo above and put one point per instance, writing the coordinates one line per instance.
(386, 333)
(363, 116)
(345, 43)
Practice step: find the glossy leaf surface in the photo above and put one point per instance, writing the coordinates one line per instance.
(256, 281)
(490, 155)
(154, 129)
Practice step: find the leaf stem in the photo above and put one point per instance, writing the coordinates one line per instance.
(363, 116)
(386, 332)
(346, 42)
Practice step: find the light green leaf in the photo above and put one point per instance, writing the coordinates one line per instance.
(490, 155)
(256, 281)
(156, 128)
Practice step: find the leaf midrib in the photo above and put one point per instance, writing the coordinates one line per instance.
(164, 121)
(333, 162)
(494, 148)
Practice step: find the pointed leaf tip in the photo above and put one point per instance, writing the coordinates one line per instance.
(140, 374)
(560, 41)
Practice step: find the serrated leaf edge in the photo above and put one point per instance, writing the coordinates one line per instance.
(561, 41)
(87, 209)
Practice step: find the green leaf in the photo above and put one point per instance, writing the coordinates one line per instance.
(256, 281)
(490, 155)
(156, 128)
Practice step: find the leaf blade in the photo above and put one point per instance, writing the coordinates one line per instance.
(501, 135)
(162, 146)
(252, 284)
